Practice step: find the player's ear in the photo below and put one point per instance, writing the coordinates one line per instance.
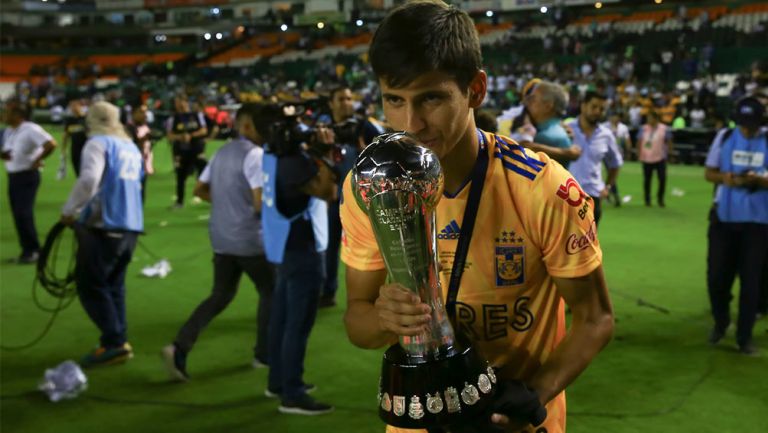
(477, 88)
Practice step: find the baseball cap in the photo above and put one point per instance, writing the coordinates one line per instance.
(749, 112)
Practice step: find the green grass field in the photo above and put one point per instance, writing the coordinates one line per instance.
(657, 375)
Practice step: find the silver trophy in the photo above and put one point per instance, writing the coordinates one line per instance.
(433, 379)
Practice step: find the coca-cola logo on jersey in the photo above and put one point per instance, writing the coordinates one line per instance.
(576, 243)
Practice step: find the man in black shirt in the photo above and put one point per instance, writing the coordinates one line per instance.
(186, 130)
(74, 131)
(295, 221)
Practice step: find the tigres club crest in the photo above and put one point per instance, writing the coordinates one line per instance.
(510, 259)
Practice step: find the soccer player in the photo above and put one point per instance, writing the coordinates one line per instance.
(536, 247)
(186, 130)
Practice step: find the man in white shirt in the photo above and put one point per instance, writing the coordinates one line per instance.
(25, 146)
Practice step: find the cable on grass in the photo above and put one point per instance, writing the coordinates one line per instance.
(58, 286)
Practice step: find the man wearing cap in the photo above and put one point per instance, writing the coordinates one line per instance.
(738, 228)
(105, 210)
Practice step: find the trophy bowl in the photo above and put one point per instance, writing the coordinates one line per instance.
(434, 379)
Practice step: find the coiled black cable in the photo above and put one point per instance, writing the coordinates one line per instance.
(49, 276)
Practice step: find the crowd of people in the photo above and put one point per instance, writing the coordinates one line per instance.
(531, 145)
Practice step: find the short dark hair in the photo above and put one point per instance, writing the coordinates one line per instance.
(262, 116)
(336, 89)
(424, 36)
(592, 94)
(486, 121)
(14, 105)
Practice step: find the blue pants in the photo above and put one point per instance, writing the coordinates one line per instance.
(102, 259)
(22, 190)
(294, 308)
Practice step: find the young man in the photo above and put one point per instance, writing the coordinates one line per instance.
(232, 182)
(426, 56)
(25, 146)
(105, 209)
(598, 147)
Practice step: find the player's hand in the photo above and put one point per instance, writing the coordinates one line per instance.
(5, 156)
(400, 311)
(67, 220)
(515, 406)
(605, 192)
(38, 163)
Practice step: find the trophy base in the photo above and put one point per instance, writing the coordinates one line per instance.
(425, 392)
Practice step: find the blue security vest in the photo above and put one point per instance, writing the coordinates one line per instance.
(739, 155)
(117, 204)
(277, 227)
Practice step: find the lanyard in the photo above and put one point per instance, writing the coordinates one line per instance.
(467, 225)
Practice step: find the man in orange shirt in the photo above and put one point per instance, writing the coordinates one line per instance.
(535, 244)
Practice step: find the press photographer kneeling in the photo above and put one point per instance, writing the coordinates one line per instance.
(298, 180)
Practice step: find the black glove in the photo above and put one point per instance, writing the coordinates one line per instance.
(519, 402)
(513, 399)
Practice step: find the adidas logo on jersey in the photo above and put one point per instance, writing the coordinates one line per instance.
(451, 231)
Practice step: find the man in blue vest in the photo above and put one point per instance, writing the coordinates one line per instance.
(232, 183)
(738, 231)
(105, 210)
(295, 218)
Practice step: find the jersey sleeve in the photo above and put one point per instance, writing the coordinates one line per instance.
(564, 223)
(359, 249)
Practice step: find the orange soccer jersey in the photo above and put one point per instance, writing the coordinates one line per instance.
(534, 222)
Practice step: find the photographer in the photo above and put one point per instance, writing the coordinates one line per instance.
(297, 182)
(349, 131)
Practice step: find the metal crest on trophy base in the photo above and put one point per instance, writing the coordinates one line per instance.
(433, 379)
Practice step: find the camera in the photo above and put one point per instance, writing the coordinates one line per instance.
(287, 135)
